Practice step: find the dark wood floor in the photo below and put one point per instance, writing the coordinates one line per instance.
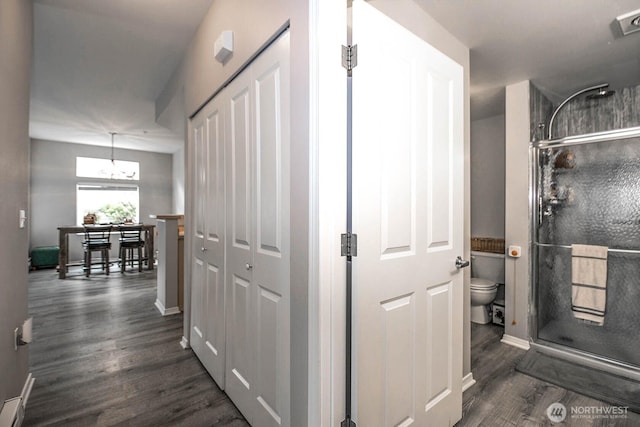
(102, 355)
(504, 397)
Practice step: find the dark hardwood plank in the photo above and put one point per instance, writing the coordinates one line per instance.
(504, 397)
(102, 355)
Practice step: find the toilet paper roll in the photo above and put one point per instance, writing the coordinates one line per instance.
(27, 332)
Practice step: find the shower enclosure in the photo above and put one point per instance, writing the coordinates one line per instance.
(586, 190)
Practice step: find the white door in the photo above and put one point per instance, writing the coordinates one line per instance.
(408, 215)
(207, 296)
(258, 216)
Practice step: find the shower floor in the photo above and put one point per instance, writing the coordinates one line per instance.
(593, 339)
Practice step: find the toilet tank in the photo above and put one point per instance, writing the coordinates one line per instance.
(487, 265)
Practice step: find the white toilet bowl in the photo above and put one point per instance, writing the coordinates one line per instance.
(483, 292)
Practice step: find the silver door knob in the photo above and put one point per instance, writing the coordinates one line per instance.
(203, 249)
(248, 266)
(461, 263)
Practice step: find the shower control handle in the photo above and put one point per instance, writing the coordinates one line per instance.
(461, 263)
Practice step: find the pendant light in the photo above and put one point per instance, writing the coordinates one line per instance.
(114, 170)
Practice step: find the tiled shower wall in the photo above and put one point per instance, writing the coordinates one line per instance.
(581, 115)
(541, 110)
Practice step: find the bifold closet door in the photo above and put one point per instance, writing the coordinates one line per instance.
(207, 335)
(258, 320)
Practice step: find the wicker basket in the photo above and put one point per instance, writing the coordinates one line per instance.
(487, 244)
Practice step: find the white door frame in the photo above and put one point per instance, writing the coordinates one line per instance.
(327, 219)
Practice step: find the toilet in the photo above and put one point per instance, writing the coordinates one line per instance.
(487, 271)
(483, 292)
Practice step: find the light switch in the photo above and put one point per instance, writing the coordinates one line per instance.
(23, 218)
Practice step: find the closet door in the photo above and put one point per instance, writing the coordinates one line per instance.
(258, 322)
(208, 299)
(241, 359)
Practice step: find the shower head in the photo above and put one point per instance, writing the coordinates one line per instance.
(602, 92)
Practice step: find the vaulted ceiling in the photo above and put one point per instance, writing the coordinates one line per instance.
(100, 65)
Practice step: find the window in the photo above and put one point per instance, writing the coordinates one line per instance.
(111, 203)
(87, 167)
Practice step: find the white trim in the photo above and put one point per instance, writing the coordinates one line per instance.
(166, 311)
(514, 341)
(467, 381)
(26, 389)
(327, 212)
(315, 402)
(184, 343)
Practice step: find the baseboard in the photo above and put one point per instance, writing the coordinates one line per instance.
(514, 341)
(166, 311)
(467, 381)
(12, 411)
(26, 389)
(184, 343)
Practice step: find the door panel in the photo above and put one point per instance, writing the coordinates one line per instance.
(196, 336)
(407, 212)
(240, 151)
(214, 359)
(268, 165)
(271, 258)
(258, 255)
(208, 296)
(241, 356)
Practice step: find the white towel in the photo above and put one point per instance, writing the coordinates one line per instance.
(589, 282)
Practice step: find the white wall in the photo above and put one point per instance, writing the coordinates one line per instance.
(178, 182)
(53, 187)
(487, 177)
(517, 210)
(16, 43)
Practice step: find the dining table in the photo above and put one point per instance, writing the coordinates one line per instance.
(65, 230)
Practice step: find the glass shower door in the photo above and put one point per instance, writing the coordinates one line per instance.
(589, 193)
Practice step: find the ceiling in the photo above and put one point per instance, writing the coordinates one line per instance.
(561, 46)
(100, 65)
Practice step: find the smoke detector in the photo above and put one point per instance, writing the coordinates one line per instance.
(629, 22)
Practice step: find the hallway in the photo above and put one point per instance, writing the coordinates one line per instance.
(102, 355)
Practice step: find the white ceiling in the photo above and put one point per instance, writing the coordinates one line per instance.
(99, 65)
(561, 45)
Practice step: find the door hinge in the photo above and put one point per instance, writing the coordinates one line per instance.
(347, 423)
(349, 244)
(350, 57)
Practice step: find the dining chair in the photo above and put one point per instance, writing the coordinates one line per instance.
(130, 239)
(96, 239)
